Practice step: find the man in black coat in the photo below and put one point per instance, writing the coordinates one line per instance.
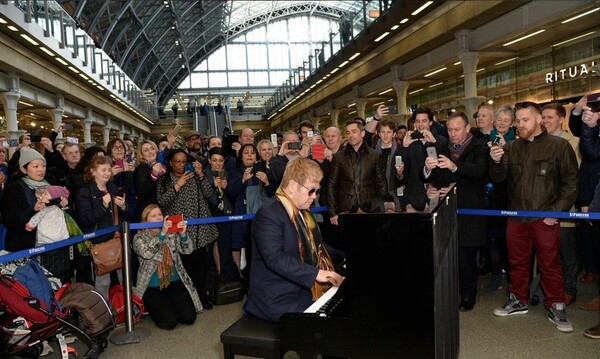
(463, 161)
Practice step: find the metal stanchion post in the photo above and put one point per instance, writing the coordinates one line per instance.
(130, 335)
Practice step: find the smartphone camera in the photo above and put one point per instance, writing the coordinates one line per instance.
(416, 135)
(295, 145)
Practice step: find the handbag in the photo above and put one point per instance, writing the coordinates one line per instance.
(108, 255)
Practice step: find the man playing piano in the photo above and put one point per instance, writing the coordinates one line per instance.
(290, 266)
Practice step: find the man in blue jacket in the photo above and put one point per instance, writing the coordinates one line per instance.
(290, 265)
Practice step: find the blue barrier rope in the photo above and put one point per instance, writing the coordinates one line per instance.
(245, 217)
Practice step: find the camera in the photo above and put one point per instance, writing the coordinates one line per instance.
(295, 145)
(416, 135)
(53, 202)
(35, 138)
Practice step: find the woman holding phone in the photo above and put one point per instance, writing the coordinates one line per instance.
(96, 203)
(146, 175)
(163, 284)
(220, 203)
(122, 171)
(186, 193)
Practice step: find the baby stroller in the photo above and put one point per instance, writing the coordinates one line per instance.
(25, 322)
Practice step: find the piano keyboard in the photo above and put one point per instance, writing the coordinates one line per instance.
(320, 304)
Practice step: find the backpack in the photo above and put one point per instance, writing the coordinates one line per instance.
(32, 276)
(116, 293)
(96, 314)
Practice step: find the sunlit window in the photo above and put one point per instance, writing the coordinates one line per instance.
(264, 56)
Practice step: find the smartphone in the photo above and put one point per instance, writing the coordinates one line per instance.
(398, 160)
(274, 140)
(496, 141)
(72, 140)
(295, 145)
(393, 110)
(175, 219)
(120, 163)
(53, 202)
(13, 142)
(67, 126)
(431, 152)
(160, 157)
(189, 167)
(259, 166)
(35, 138)
(416, 135)
(318, 151)
(176, 130)
(310, 133)
(120, 192)
(221, 174)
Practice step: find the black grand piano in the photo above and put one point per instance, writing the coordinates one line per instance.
(411, 254)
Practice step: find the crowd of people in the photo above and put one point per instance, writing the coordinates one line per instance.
(521, 157)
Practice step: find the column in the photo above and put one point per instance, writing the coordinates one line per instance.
(471, 105)
(469, 60)
(361, 105)
(401, 88)
(334, 116)
(10, 100)
(122, 131)
(106, 135)
(87, 133)
(57, 114)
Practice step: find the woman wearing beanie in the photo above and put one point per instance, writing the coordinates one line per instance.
(23, 199)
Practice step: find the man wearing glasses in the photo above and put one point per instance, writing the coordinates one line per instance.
(290, 266)
(541, 173)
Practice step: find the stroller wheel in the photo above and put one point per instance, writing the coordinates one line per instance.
(31, 352)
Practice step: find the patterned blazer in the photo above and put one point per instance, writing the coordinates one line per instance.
(149, 249)
(192, 202)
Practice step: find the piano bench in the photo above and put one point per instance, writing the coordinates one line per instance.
(251, 336)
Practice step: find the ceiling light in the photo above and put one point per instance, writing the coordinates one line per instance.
(354, 56)
(13, 28)
(351, 112)
(524, 37)
(335, 70)
(30, 40)
(2, 21)
(50, 53)
(395, 27)
(580, 15)
(382, 36)
(386, 91)
(434, 85)
(505, 61)
(481, 69)
(415, 91)
(84, 77)
(457, 63)
(344, 63)
(33, 124)
(404, 21)
(25, 103)
(378, 103)
(73, 69)
(61, 61)
(352, 104)
(490, 102)
(573, 39)
(436, 71)
(100, 88)
(421, 8)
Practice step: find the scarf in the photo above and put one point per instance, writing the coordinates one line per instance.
(37, 186)
(310, 243)
(457, 149)
(165, 267)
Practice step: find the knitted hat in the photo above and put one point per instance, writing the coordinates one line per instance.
(57, 191)
(27, 155)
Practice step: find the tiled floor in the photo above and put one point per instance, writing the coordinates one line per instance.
(482, 335)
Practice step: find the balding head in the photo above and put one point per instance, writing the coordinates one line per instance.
(247, 136)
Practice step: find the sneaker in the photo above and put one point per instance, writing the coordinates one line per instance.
(593, 332)
(558, 316)
(512, 306)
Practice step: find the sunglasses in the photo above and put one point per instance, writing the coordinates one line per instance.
(311, 191)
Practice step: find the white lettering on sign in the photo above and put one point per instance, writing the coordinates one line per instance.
(568, 73)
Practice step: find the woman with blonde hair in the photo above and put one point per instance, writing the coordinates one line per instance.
(162, 282)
